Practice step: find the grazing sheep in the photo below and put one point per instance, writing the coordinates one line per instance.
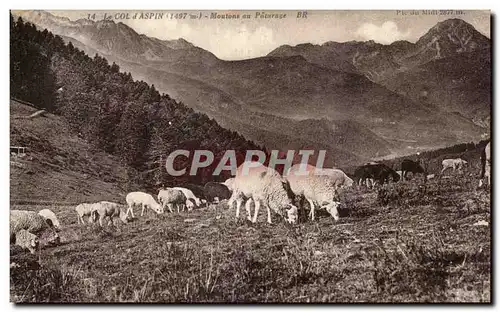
(144, 200)
(107, 209)
(33, 223)
(27, 240)
(319, 189)
(377, 173)
(215, 190)
(169, 197)
(189, 195)
(340, 179)
(84, 210)
(408, 165)
(456, 163)
(198, 190)
(264, 186)
(486, 165)
(50, 217)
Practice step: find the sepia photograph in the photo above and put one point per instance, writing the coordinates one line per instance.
(250, 156)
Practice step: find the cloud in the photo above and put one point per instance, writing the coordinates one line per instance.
(388, 32)
(229, 43)
(241, 42)
(166, 29)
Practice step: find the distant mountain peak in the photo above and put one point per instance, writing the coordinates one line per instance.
(453, 36)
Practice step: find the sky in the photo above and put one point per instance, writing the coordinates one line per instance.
(233, 39)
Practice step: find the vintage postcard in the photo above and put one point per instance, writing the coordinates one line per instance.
(250, 156)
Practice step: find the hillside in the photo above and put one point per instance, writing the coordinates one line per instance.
(60, 166)
(369, 58)
(405, 242)
(267, 127)
(464, 89)
(117, 114)
(448, 68)
(276, 90)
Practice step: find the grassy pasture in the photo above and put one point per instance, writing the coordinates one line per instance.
(404, 242)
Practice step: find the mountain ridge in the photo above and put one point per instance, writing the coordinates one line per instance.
(350, 83)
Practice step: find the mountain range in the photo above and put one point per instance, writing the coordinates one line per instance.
(357, 100)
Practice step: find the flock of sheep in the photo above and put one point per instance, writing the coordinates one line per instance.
(253, 183)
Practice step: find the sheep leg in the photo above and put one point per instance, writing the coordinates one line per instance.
(238, 206)
(256, 212)
(247, 207)
(311, 204)
(131, 209)
(178, 210)
(170, 208)
(101, 218)
(268, 214)
(143, 208)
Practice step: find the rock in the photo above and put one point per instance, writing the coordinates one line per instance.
(482, 222)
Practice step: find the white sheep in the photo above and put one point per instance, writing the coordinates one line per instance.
(189, 194)
(456, 163)
(169, 197)
(50, 216)
(27, 240)
(318, 189)
(144, 200)
(33, 223)
(337, 176)
(84, 210)
(105, 209)
(264, 186)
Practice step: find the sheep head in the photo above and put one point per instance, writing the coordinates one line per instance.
(292, 214)
(123, 216)
(158, 208)
(34, 243)
(332, 209)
